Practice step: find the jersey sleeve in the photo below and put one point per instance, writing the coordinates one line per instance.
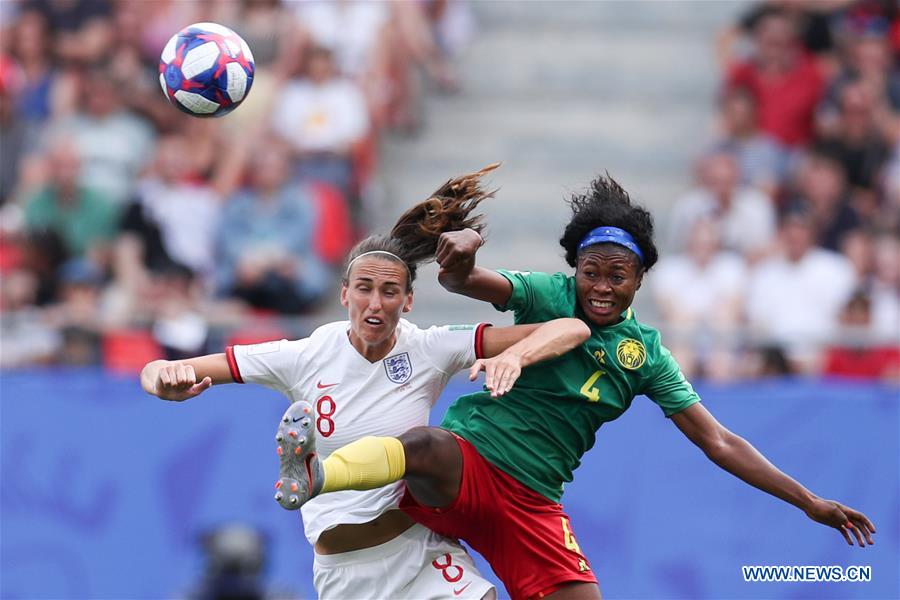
(532, 293)
(451, 348)
(668, 386)
(275, 364)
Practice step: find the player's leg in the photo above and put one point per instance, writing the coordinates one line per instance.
(300, 475)
(577, 590)
(433, 465)
(568, 574)
(527, 538)
(446, 570)
(429, 457)
(418, 563)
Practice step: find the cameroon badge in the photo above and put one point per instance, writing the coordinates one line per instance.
(631, 354)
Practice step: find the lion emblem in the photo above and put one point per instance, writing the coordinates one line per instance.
(631, 354)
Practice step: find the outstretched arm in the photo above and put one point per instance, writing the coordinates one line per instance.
(178, 379)
(508, 350)
(737, 456)
(459, 274)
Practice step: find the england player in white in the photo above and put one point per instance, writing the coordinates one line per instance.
(373, 375)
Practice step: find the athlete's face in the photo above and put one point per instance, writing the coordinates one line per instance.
(375, 296)
(606, 279)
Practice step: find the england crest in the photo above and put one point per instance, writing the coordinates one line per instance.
(398, 367)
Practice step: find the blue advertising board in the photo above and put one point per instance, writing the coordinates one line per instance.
(104, 490)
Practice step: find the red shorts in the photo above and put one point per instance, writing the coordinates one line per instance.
(526, 538)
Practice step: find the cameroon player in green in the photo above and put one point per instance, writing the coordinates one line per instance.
(492, 475)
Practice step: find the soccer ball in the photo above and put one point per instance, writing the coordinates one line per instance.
(206, 70)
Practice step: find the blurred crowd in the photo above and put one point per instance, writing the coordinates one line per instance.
(785, 256)
(129, 230)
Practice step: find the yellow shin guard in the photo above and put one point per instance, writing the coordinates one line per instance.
(365, 464)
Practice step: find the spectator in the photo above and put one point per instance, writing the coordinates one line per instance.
(876, 260)
(13, 132)
(27, 339)
(867, 59)
(114, 143)
(859, 248)
(31, 50)
(216, 155)
(278, 46)
(786, 82)
(761, 160)
(422, 38)
(452, 23)
(265, 251)
(161, 19)
(354, 31)
(794, 298)
(766, 361)
(856, 136)
(853, 356)
(745, 215)
(42, 253)
(822, 191)
(179, 325)
(809, 18)
(9, 13)
(81, 28)
(79, 214)
(380, 44)
(134, 70)
(78, 159)
(78, 314)
(889, 211)
(263, 24)
(418, 39)
(706, 314)
(885, 288)
(175, 217)
(324, 116)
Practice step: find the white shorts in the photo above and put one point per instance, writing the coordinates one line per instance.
(417, 564)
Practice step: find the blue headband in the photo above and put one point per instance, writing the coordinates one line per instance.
(613, 235)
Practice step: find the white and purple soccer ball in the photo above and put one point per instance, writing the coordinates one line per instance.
(206, 70)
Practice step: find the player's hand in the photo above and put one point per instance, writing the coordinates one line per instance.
(455, 248)
(178, 382)
(844, 519)
(500, 372)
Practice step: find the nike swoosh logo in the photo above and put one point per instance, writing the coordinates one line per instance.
(327, 385)
(297, 419)
(462, 589)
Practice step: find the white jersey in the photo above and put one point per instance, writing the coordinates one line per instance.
(354, 398)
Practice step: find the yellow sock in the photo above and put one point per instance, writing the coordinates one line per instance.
(365, 464)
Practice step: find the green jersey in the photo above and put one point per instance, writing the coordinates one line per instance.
(89, 219)
(539, 430)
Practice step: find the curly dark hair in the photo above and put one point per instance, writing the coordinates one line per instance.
(607, 203)
(414, 237)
